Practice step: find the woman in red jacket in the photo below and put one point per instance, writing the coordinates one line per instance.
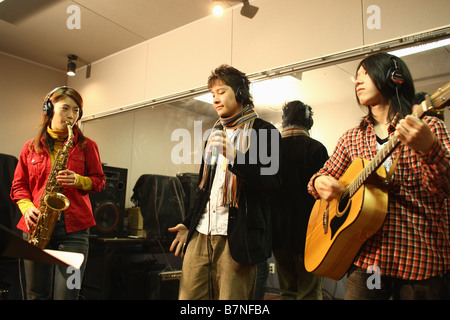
(84, 175)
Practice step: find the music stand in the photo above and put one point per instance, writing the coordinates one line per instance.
(14, 247)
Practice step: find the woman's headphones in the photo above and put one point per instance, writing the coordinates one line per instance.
(48, 105)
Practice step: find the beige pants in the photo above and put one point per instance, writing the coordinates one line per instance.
(209, 272)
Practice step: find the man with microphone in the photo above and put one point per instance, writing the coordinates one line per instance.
(227, 233)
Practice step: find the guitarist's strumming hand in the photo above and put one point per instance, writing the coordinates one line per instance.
(328, 188)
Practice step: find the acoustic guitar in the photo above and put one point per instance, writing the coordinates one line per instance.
(337, 229)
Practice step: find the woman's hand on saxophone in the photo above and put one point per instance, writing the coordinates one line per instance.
(31, 216)
(67, 177)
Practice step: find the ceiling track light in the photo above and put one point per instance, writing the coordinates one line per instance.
(71, 64)
(247, 9)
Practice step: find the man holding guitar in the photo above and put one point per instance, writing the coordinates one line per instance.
(394, 217)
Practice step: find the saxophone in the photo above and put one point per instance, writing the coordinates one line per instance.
(52, 201)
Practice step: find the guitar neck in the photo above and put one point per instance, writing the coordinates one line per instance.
(374, 164)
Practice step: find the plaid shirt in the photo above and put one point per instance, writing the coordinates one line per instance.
(414, 241)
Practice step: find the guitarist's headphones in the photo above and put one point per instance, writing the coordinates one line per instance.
(394, 75)
(48, 107)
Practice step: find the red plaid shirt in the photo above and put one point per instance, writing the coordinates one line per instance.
(414, 241)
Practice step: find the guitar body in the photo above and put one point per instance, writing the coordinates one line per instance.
(337, 229)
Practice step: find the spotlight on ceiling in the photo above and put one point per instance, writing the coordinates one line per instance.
(217, 9)
(247, 9)
(71, 64)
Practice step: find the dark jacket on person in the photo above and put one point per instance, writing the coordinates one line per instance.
(291, 206)
(249, 225)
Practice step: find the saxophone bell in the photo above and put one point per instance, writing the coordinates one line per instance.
(55, 203)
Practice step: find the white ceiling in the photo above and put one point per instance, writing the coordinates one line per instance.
(37, 30)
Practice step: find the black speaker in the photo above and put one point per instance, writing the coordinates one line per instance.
(143, 280)
(108, 205)
(122, 269)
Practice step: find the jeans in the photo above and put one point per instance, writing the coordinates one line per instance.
(45, 281)
(434, 288)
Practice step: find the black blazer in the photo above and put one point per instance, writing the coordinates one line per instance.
(249, 225)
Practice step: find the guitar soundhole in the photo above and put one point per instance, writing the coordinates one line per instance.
(342, 214)
(343, 202)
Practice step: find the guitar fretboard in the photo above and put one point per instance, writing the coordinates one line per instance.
(373, 165)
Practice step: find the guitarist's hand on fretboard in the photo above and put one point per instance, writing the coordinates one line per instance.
(415, 134)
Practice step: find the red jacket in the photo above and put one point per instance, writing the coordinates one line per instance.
(34, 168)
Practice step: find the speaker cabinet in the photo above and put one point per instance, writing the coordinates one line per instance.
(108, 205)
(125, 269)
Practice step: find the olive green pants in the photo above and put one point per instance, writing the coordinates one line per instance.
(209, 272)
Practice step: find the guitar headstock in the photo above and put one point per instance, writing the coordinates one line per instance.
(436, 102)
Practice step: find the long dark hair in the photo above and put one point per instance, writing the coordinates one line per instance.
(400, 97)
(55, 96)
(234, 78)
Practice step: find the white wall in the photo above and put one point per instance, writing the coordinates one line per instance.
(23, 87)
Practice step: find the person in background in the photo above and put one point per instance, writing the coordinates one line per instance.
(411, 250)
(301, 157)
(227, 233)
(83, 175)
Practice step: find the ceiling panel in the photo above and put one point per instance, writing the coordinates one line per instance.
(39, 33)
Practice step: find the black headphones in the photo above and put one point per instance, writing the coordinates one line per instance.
(238, 94)
(308, 115)
(48, 107)
(394, 75)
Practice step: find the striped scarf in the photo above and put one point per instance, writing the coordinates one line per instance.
(241, 124)
(294, 131)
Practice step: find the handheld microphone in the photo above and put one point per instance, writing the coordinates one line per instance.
(214, 149)
(213, 156)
